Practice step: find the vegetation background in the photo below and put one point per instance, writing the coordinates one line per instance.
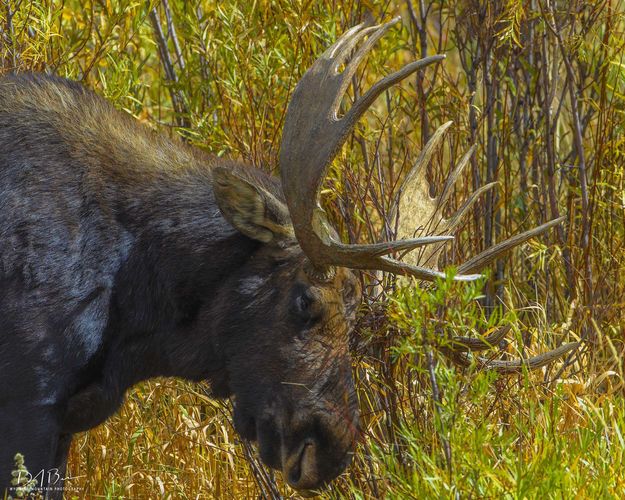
(538, 86)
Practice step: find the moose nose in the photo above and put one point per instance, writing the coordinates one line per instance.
(300, 468)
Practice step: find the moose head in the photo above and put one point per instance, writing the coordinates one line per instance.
(298, 401)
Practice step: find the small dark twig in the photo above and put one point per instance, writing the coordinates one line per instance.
(177, 97)
(265, 481)
(9, 31)
(171, 31)
(436, 395)
(578, 141)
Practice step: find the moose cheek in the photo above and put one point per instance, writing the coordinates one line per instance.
(269, 442)
(244, 424)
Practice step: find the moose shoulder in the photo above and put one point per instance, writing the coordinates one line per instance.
(125, 254)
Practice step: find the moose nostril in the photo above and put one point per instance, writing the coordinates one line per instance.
(301, 468)
(295, 474)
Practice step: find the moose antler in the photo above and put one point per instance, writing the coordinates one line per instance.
(460, 348)
(420, 213)
(312, 136)
(514, 365)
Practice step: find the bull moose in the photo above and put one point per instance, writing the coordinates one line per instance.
(126, 254)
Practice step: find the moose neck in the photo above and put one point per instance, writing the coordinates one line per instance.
(182, 251)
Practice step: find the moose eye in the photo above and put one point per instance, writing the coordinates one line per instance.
(302, 303)
(304, 306)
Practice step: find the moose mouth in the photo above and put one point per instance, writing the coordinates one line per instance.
(299, 464)
(299, 468)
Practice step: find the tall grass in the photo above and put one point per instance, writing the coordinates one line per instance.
(538, 86)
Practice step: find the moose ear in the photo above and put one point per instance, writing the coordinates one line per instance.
(251, 208)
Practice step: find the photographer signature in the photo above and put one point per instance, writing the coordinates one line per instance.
(39, 480)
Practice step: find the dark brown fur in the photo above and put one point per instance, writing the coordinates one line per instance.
(120, 261)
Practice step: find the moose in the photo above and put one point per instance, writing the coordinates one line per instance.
(126, 254)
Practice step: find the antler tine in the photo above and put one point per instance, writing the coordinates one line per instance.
(518, 365)
(346, 47)
(416, 173)
(313, 134)
(484, 258)
(422, 273)
(367, 99)
(462, 346)
(387, 247)
(467, 344)
(453, 177)
(456, 218)
(348, 37)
